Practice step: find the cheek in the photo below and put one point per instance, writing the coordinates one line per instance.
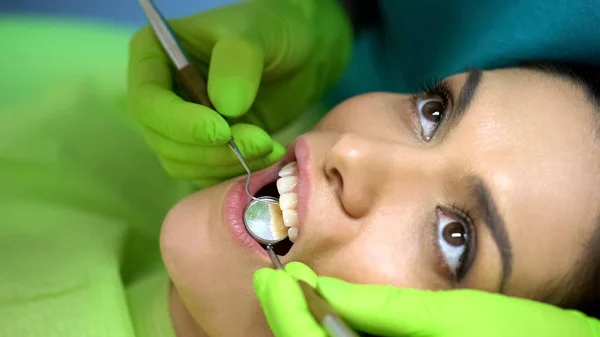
(341, 119)
(176, 239)
(208, 268)
(385, 253)
(352, 112)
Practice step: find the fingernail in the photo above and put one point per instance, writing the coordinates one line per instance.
(277, 153)
(261, 145)
(300, 271)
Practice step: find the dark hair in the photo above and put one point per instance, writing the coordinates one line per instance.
(584, 282)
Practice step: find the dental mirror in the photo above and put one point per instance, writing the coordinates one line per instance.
(262, 216)
(264, 222)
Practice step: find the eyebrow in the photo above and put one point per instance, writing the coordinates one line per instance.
(467, 93)
(495, 223)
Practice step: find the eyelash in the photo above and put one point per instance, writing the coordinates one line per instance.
(433, 89)
(463, 215)
(441, 89)
(438, 88)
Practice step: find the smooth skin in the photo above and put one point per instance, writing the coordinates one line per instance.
(269, 60)
(376, 185)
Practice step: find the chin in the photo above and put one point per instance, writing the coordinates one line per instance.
(211, 265)
(211, 258)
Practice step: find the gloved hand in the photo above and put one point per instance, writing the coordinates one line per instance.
(389, 311)
(269, 59)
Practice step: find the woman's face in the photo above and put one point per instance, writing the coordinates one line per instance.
(486, 181)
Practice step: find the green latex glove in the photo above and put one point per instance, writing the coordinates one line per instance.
(389, 311)
(269, 60)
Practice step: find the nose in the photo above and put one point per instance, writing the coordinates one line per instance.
(363, 170)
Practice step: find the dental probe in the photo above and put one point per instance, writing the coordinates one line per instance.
(319, 308)
(187, 75)
(262, 216)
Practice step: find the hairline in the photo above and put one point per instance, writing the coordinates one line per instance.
(582, 281)
(564, 71)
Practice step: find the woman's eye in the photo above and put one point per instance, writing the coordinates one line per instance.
(453, 240)
(431, 111)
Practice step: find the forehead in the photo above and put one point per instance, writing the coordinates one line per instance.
(540, 118)
(531, 137)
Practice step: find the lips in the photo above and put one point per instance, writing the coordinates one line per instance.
(236, 201)
(236, 198)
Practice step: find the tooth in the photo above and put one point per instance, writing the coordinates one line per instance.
(288, 169)
(286, 184)
(290, 218)
(288, 201)
(293, 233)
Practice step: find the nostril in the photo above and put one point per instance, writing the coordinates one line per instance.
(334, 177)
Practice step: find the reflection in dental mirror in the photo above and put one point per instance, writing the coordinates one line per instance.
(264, 221)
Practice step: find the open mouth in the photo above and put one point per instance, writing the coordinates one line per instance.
(271, 190)
(282, 185)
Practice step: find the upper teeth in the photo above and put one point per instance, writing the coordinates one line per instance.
(286, 186)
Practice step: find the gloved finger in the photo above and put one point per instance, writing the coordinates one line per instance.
(284, 305)
(381, 310)
(234, 75)
(389, 311)
(490, 312)
(300, 271)
(148, 63)
(221, 155)
(166, 113)
(191, 171)
(156, 106)
(251, 139)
